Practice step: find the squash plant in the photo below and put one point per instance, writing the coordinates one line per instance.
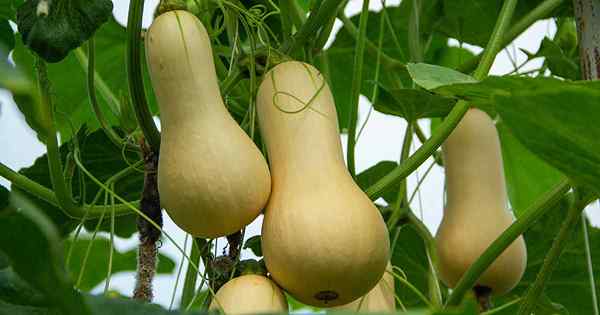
(253, 96)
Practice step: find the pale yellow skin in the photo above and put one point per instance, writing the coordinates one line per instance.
(249, 294)
(212, 179)
(476, 212)
(323, 240)
(380, 299)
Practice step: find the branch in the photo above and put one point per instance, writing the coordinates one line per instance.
(134, 75)
(539, 208)
(356, 86)
(539, 12)
(91, 87)
(325, 13)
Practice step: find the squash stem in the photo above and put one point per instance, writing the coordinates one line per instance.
(539, 208)
(552, 258)
(356, 86)
(326, 11)
(134, 76)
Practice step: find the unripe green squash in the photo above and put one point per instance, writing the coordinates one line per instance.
(249, 294)
(323, 240)
(476, 211)
(212, 179)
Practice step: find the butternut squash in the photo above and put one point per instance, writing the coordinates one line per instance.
(476, 211)
(381, 299)
(323, 240)
(212, 179)
(249, 294)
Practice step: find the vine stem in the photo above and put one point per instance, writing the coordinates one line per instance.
(552, 258)
(356, 85)
(191, 275)
(134, 75)
(91, 87)
(529, 217)
(539, 12)
(455, 115)
(401, 196)
(325, 13)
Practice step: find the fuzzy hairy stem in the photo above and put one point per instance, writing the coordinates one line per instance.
(588, 28)
(149, 234)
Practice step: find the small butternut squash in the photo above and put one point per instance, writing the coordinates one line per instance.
(381, 299)
(323, 240)
(212, 179)
(476, 211)
(249, 294)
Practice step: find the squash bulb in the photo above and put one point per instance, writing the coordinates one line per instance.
(381, 299)
(249, 294)
(476, 211)
(323, 240)
(212, 179)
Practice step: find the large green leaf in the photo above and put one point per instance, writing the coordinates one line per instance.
(68, 80)
(411, 257)
(32, 243)
(17, 291)
(570, 281)
(560, 126)
(472, 21)
(432, 76)
(103, 159)
(340, 56)
(7, 36)
(53, 28)
(97, 262)
(374, 173)
(560, 62)
(412, 104)
(8, 8)
(527, 176)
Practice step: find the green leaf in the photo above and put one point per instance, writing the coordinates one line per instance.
(569, 285)
(8, 8)
(7, 36)
(452, 57)
(99, 305)
(340, 56)
(103, 159)
(527, 176)
(98, 260)
(410, 256)
(430, 77)
(69, 87)
(472, 21)
(254, 244)
(4, 193)
(413, 104)
(53, 28)
(566, 137)
(374, 173)
(559, 63)
(32, 244)
(14, 289)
